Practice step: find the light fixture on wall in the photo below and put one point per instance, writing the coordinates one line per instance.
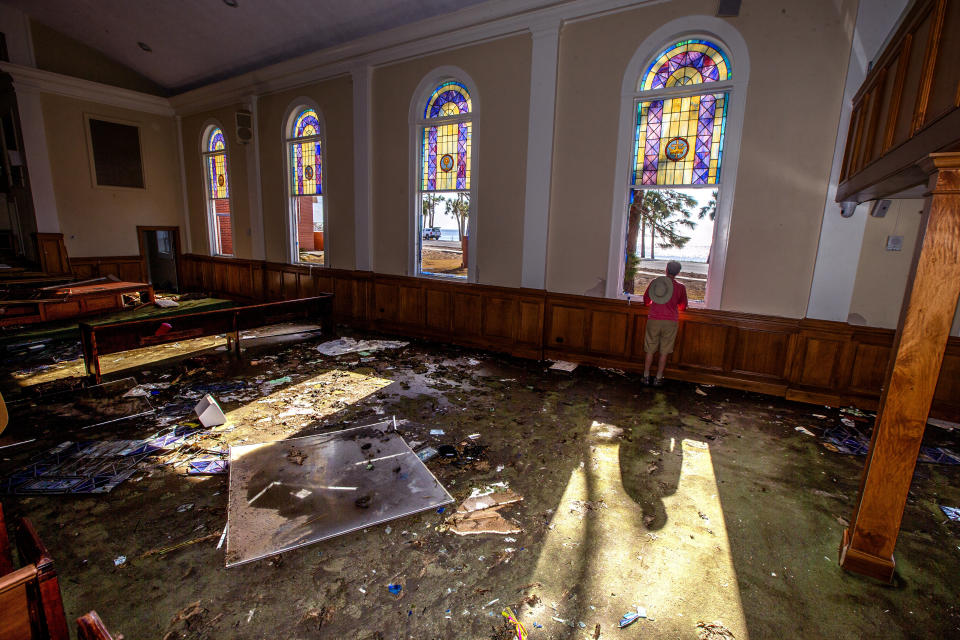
(848, 208)
(144, 46)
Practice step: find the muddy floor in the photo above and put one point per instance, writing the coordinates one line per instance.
(696, 507)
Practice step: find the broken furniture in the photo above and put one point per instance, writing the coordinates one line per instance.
(291, 493)
(30, 602)
(100, 295)
(103, 339)
(90, 627)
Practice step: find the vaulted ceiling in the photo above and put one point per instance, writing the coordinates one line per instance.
(194, 42)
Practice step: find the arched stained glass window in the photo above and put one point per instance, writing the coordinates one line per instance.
(446, 147)
(679, 138)
(305, 165)
(218, 192)
(306, 159)
(217, 165)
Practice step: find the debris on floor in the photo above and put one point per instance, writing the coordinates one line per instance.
(713, 631)
(563, 365)
(518, 627)
(951, 512)
(481, 514)
(343, 346)
(339, 482)
(846, 438)
(632, 616)
(209, 412)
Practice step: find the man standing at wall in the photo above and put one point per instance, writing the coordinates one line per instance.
(665, 297)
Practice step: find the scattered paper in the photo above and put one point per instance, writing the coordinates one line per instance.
(349, 345)
(563, 365)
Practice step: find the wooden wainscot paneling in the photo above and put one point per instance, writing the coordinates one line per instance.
(500, 314)
(823, 349)
(946, 398)
(439, 310)
(702, 345)
(53, 253)
(806, 360)
(609, 332)
(468, 315)
(128, 268)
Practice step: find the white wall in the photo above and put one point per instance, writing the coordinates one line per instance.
(840, 238)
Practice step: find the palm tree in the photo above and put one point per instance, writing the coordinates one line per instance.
(710, 208)
(459, 208)
(428, 210)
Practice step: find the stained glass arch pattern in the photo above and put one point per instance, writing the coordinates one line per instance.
(687, 62)
(216, 156)
(695, 124)
(446, 147)
(306, 155)
(451, 98)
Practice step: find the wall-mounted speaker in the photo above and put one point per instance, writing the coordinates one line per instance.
(244, 122)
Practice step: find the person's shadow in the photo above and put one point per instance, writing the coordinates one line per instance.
(651, 457)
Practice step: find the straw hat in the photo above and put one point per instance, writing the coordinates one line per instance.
(661, 290)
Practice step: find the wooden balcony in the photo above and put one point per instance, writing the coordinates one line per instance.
(908, 106)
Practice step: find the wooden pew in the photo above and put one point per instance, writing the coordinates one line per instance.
(30, 601)
(90, 627)
(104, 339)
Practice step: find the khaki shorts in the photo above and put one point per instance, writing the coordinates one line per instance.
(660, 336)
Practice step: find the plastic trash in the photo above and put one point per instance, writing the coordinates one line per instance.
(209, 412)
(632, 616)
(395, 589)
(521, 632)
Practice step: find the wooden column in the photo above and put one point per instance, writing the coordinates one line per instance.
(924, 327)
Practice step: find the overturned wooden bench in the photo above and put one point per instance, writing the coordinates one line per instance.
(103, 339)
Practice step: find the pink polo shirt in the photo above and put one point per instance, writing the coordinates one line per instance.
(670, 310)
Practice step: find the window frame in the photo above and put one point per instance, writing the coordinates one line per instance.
(735, 48)
(293, 110)
(208, 130)
(418, 123)
(87, 117)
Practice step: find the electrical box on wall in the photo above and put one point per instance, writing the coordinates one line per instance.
(894, 243)
(244, 122)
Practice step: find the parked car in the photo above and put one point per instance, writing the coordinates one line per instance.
(431, 233)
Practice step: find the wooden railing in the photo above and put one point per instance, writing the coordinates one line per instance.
(808, 360)
(908, 105)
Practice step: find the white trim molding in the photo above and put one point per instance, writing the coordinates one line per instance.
(736, 49)
(28, 78)
(258, 242)
(540, 135)
(34, 134)
(417, 123)
(362, 167)
(185, 200)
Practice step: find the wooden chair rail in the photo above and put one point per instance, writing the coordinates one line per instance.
(103, 339)
(806, 360)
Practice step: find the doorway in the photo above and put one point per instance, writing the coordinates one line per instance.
(160, 250)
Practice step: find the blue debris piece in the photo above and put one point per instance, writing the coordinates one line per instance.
(395, 589)
(441, 509)
(632, 616)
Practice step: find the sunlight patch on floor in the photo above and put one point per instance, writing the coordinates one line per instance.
(599, 559)
(291, 408)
